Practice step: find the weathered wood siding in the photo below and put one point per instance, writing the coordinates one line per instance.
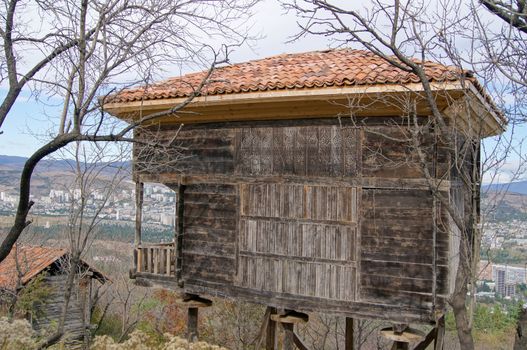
(397, 248)
(326, 213)
(298, 239)
(209, 241)
(75, 322)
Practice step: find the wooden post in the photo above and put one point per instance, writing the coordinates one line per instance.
(288, 320)
(138, 257)
(400, 329)
(288, 336)
(440, 334)
(349, 341)
(180, 231)
(139, 188)
(192, 324)
(270, 335)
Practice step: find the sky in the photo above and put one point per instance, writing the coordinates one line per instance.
(28, 124)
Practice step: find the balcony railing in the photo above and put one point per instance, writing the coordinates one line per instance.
(158, 259)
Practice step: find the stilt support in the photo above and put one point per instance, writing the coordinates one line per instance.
(289, 343)
(349, 341)
(193, 303)
(288, 320)
(402, 336)
(440, 336)
(270, 334)
(192, 324)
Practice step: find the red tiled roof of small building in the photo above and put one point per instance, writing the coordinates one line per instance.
(31, 262)
(316, 69)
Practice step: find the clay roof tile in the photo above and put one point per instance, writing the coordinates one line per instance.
(291, 71)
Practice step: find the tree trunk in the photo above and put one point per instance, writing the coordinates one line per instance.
(458, 299)
(24, 204)
(520, 342)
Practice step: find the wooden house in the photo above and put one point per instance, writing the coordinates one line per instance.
(294, 189)
(25, 264)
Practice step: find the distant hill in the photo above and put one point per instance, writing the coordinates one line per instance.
(49, 173)
(519, 187)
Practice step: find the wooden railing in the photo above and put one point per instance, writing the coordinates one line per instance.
(159, 259)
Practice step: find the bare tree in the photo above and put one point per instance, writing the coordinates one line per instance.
(408, 33)
(116, 41)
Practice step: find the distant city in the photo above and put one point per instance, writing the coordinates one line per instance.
(158, 205)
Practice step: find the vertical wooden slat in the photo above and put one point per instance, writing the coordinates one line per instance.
(156, 252)
(149, 260)
(168, 260)
(180, 232)
(139, 266)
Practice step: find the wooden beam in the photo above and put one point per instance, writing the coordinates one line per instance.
(440, 337)
(288, 336)
(139, 188)
(431, 336)
(192, 324)
(180, 231)
(397, 345)
(349, 343)
(298, 342)
(293, 95)
(270, 334)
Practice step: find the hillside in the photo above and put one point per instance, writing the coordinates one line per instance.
(519, 187)
(48, 174)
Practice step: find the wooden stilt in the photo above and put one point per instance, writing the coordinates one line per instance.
(440, 336)
(289, 336)
(430, 337)
(192, 324)
(349, 341)
(138, 261)
(270, 335)
(288, 320)
(402, 336)
(180, 208)
(139, 187)
(298, 342)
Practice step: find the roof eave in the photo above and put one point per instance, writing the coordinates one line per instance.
(326, 93)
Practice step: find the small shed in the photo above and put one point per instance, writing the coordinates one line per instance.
(25, 263)
(294, 189)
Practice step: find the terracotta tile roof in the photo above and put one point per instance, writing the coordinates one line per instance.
(316, 69)
(31, 262)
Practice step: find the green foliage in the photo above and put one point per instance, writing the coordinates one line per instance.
(494, 318)
(114, 232)
(503, 256)
(33, 297)
(111, 325)
(497, 318)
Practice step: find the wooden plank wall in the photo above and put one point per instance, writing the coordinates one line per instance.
(74, 324)
(397, 264)
(311, 208)
(209, 239)
(298, 239)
